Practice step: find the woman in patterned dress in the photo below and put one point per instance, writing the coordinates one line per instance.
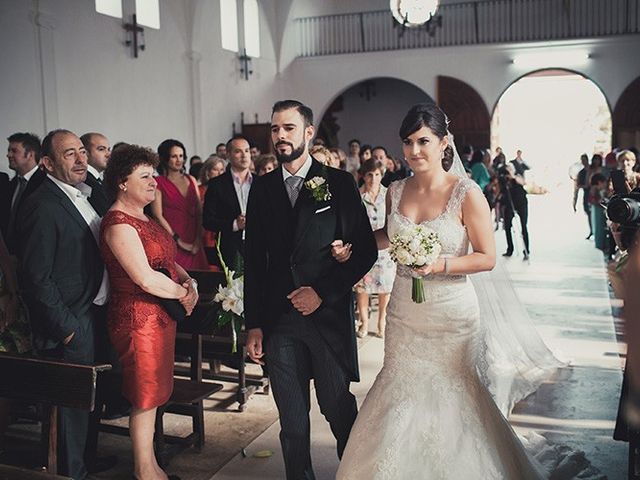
(379, 280)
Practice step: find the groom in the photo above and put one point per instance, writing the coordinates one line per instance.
(298, 307)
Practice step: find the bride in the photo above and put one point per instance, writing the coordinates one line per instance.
(428, 415)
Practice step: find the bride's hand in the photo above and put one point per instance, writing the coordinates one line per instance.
(435, 267)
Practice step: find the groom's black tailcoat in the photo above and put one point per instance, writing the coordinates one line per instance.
(287, 248)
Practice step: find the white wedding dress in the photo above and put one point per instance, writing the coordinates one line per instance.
(428, 415)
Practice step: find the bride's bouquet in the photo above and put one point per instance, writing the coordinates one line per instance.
(415, 247)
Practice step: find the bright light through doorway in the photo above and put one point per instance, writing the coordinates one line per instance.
(553, 116)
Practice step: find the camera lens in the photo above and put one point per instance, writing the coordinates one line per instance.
(623, 210)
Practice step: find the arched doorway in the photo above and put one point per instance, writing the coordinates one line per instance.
(468, 115)
(626, 117)
(553, 116)
(370, 111)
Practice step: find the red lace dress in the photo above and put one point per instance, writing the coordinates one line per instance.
(141, 331)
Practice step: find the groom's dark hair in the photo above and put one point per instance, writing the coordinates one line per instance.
(306, 112)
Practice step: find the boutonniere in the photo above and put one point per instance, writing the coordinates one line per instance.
(319, 189)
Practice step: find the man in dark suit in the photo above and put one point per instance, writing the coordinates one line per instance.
(24, 156)
(62, 275)
(225, 203)
(98, 154)
(297, 296)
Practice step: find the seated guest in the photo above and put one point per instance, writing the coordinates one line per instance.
(177, 205)
(265, 163)
(225, 204)
(134, 247)
(63, 279)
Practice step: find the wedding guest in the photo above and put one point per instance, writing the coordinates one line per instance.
(98, 154)
(221, 151)
(582, 185)
(479, 172)
(23, 154)
(63, 280)
(627, 162)
(266, 163)
(195, 164)
(379, 280)
(352, 163)
(321, 154)
(134, 247)
(339, 158)
(225, 204)
(598, 193)
(212, 168)
(255, 152)
(177, 205)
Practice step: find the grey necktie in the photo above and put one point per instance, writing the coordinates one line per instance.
(293, 184)
(22, 184)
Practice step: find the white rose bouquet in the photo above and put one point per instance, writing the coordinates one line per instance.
(415, 247)
(231, 298)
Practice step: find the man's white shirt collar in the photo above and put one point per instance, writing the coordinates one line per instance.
(73, 192)
(94, 171)
(302, 171)
(27, 176)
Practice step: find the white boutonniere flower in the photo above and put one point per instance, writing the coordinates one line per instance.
(319, 189)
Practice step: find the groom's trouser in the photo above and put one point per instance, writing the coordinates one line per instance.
(296, 353)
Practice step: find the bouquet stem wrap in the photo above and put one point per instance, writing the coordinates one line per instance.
(417, 290)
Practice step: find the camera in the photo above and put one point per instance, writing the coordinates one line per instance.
(624, 209)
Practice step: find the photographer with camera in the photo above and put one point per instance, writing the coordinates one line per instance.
(623, 211)
(513, 199)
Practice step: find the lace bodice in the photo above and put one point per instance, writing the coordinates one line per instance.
(451, 233)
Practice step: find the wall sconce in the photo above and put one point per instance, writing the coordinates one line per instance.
(245, 64)
(137, 36)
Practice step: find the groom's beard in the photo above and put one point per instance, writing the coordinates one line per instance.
(289, 157)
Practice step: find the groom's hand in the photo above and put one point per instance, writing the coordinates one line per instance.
(340, 252)
(254, 345)
(305, 300)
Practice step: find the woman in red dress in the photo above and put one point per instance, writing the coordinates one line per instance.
(177, 205)
(134, 247)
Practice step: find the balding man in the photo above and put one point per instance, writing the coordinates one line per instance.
(63, 276)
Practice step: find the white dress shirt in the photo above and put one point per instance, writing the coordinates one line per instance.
(242, 192)
(79, 196)
(94, 171)
(302, 171)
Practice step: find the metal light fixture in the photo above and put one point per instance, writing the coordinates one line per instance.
(413, 13)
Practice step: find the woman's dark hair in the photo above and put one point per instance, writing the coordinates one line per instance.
(123, 161)
(597, 178)
(478, 156)
(596, 158)
(164, 151)
(372, 165)
(428, 115)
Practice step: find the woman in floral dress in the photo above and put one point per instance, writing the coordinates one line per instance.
(379, 280)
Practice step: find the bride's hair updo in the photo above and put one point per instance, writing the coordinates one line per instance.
(428, 115)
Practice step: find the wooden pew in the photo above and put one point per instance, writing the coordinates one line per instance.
(53, 383)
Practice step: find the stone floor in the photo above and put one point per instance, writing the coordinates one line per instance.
(564, 290)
